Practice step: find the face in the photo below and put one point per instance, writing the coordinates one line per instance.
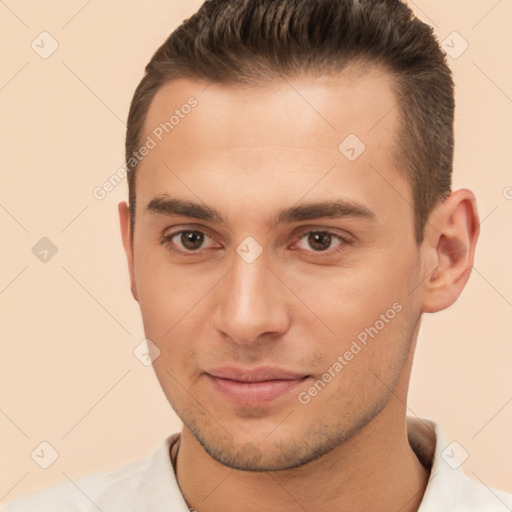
(275, 268)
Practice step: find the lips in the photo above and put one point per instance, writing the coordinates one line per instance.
(255, 386)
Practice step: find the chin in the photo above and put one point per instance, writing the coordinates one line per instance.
(277, 451)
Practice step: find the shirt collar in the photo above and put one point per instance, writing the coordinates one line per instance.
(448, 487)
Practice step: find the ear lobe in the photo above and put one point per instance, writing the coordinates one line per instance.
(125, 224)
(452, 233)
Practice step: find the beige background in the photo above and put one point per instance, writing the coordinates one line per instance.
(69, 326)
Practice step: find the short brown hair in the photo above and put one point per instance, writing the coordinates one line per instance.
(254, 41)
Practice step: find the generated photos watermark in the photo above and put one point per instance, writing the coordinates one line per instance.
(151, 142)
(357, 345)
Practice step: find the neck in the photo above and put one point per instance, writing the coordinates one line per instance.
(375, 470)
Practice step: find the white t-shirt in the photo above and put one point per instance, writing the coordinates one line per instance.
(150, 485)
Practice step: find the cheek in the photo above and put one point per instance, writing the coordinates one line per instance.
(349, 298)
(173, 304)
(165, 292)
(362, 367)
(370, 310)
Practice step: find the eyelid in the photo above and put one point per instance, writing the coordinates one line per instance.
(176, 229)
(340, 234)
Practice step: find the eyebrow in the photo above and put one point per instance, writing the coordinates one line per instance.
(333, 209)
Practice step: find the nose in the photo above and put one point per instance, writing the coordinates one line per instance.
(251, 303)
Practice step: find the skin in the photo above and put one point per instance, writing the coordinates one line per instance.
(249, 152)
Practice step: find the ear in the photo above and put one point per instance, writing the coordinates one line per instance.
(125, 222)
(449, 249)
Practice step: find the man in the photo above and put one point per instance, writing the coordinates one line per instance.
(290, 219)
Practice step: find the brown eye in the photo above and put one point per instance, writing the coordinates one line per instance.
(191, 240)
(319, 241)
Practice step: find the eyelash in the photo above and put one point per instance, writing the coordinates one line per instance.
(344, 241)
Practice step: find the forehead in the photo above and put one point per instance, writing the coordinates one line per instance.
(300, 111)
(274, 140)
